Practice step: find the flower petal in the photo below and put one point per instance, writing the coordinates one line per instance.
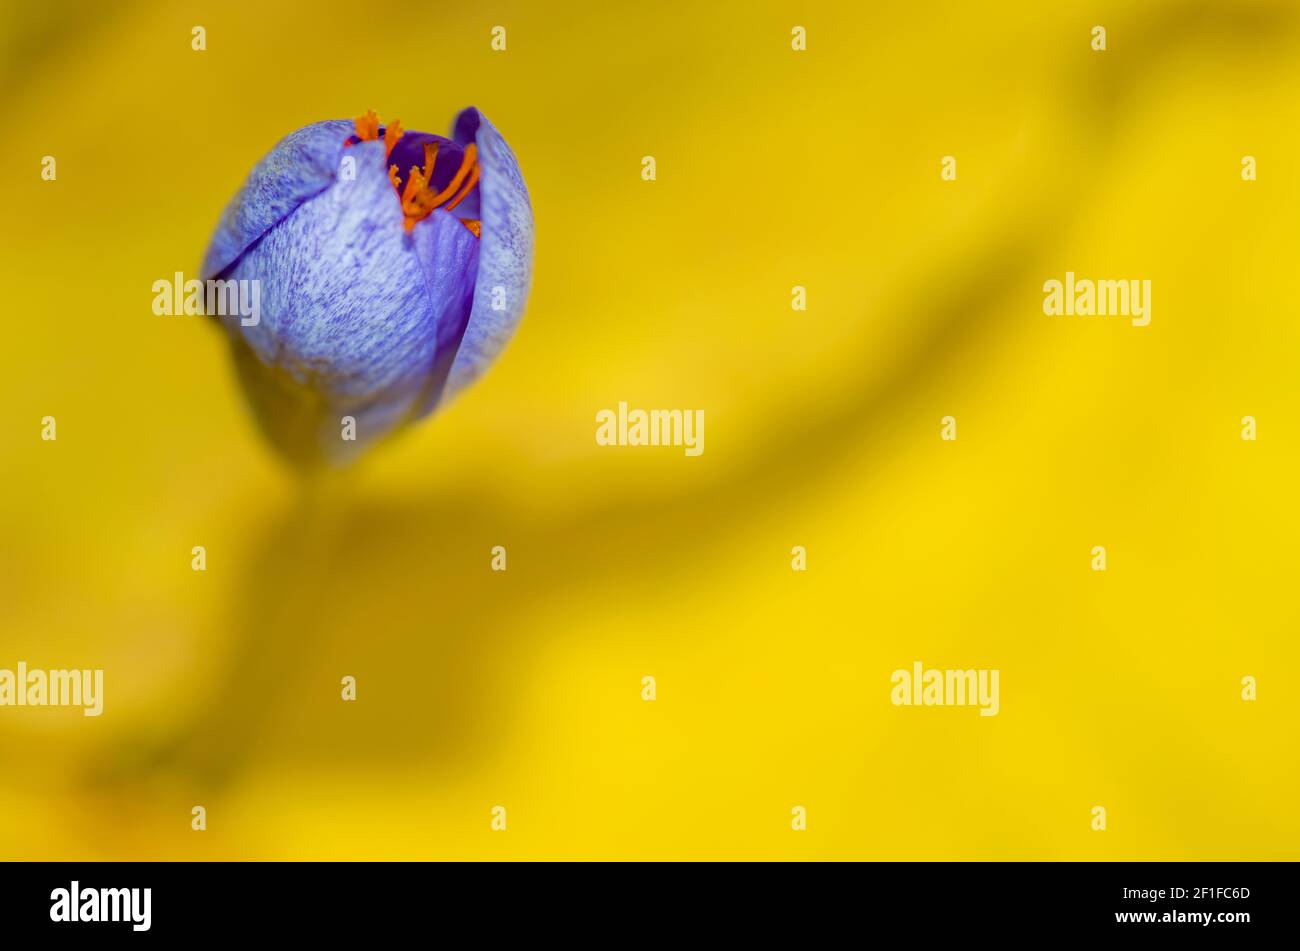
(448, 254)
(505, 251)
(302, 164)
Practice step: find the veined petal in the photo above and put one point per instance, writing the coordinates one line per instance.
(302, 164)
(448, 254)
(505, 251)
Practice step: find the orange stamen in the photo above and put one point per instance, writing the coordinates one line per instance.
(367, 126)
(391, 135)
(419, 205)
(469, 186)
(417, 199)
(415, 187)
(414, 182)
(466, 163)
(416, 195)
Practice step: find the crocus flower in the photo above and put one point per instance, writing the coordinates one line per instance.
(393, 268)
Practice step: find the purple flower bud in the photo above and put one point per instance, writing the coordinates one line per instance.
(393, 268)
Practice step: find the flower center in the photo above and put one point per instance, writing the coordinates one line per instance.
(430, 184)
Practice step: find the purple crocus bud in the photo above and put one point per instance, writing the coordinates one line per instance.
(392, 268)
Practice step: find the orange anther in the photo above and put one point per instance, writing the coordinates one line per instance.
(391, 135)
(367, 126)
(474, 225)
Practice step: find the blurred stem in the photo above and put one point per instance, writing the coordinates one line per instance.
(276, 609)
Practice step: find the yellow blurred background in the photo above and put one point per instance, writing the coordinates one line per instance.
(523, 688)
